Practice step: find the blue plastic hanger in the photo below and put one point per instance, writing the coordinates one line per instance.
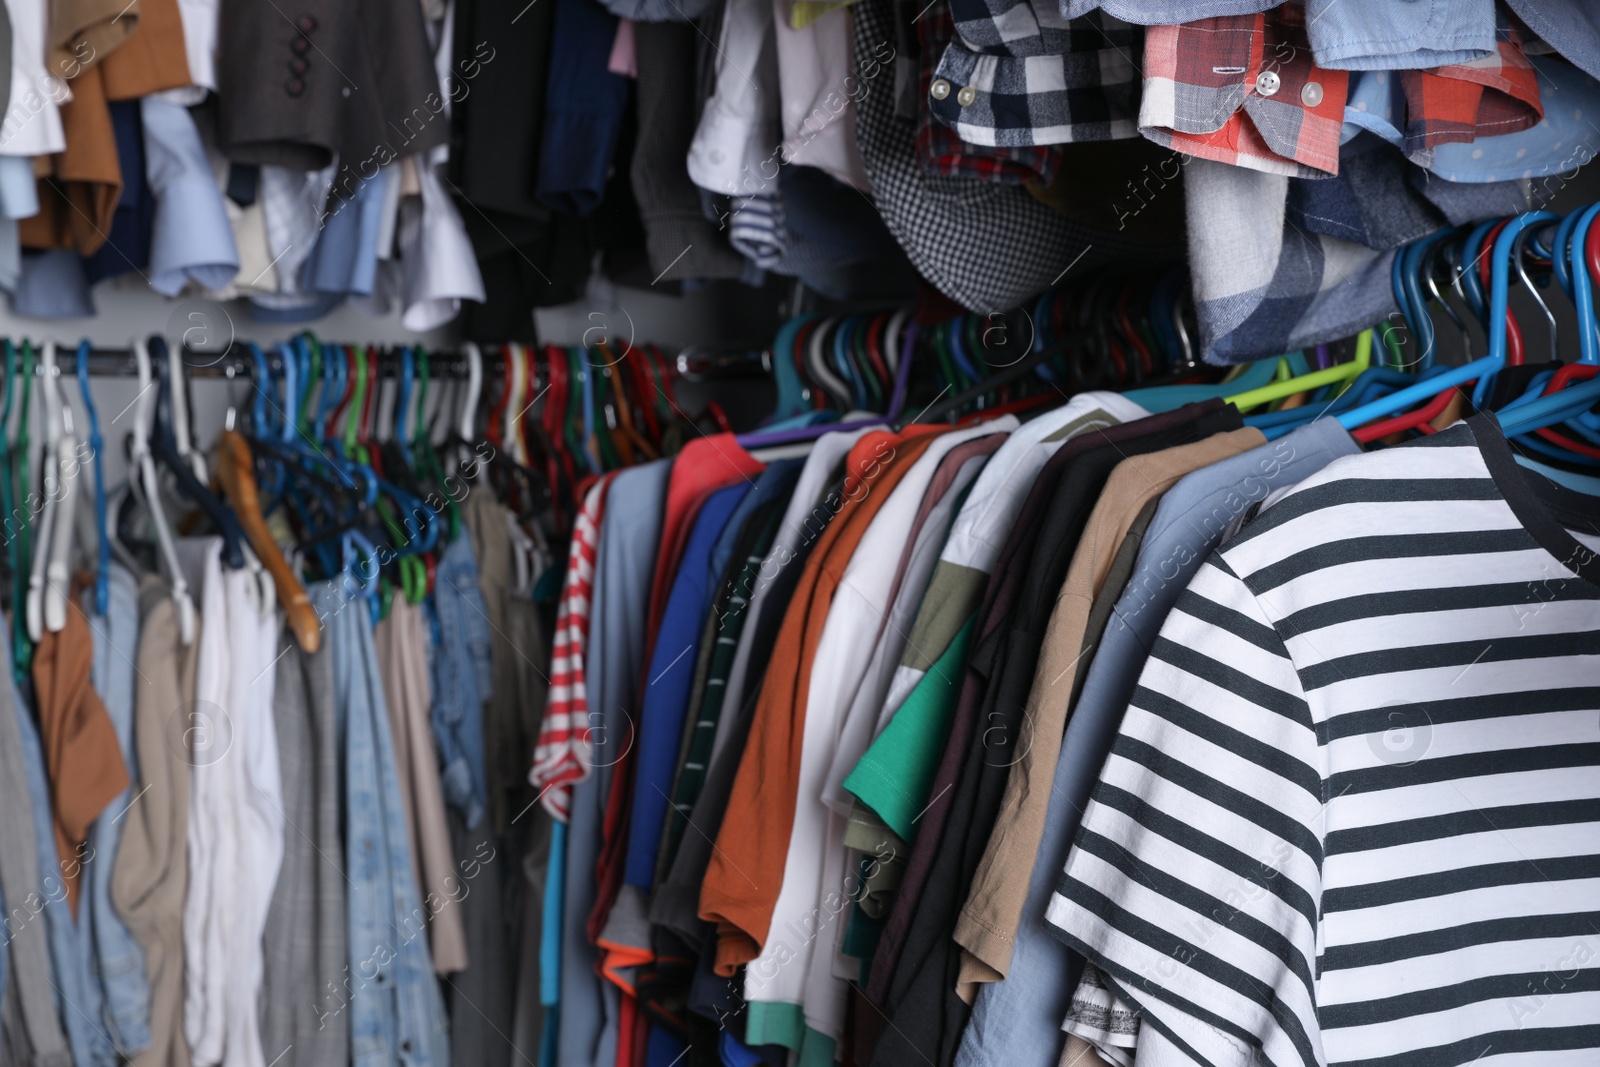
(102, 574)
(1483, 370)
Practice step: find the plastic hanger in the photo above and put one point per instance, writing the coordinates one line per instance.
(102, 575)
(144, 459)
(1300, 383)
(1481, 370)
(166, 450)
(180, 414)
(45, 564)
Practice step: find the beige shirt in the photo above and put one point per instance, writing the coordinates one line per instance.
(402, 648)
(987, 927)
(151, 873)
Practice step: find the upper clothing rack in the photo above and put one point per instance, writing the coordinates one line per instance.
(234, 362)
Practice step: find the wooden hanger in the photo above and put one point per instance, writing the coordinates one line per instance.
(235, 473)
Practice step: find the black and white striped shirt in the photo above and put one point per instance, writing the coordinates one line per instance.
(1353, 812)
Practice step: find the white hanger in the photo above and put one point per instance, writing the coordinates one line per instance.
(180, 414)
(50, 487)
(519, 389)
(58, 573)
(152, 493)
(469, 401)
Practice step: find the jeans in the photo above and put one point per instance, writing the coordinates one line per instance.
(114, 959)
(396, 1012)
(461, 680)
(77, 997)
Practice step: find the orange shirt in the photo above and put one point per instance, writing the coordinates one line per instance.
(746, 869)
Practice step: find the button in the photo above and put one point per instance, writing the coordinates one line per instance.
(966, 96)
(405, 1046)
(305, 24)
(1311, 94)
(298, 66)
(300, 45)
(1268, 83)
(294, 86)
(717, 156)
(939, 89)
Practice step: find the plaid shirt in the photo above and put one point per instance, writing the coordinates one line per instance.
(940, 151)
(1243, 89)
(1464, 101)
(1018, 74)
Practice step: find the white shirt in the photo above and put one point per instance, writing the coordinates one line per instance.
(199, 19)
(818, 92)
(32, 124)
(736, 150)
(236, 824)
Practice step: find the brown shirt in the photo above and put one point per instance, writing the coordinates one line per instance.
(151, 874)
(81, 753)
(78, 192)
(153, 58)
(988, 924)
(745, 874)
(84, 32)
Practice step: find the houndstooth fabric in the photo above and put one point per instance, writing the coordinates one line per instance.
(1019, 74)
(987, 246)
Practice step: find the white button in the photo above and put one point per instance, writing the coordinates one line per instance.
(939, 89)
(966, 96)
(1311, 94)
(1267, 82)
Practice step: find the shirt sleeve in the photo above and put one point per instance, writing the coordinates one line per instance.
(1194, 880)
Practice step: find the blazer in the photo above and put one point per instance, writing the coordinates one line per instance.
(301, 84)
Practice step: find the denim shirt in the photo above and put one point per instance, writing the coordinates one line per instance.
(77, 997)
(114, 959)
(461, 680)
(396, 1012)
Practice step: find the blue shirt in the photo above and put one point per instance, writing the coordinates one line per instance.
(583, 108)
(668, 681)
(191, 239)
(127, 247)
(462, 677)
(396, 1012)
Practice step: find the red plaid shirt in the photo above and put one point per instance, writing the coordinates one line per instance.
(1244, 89)
(1465, 101)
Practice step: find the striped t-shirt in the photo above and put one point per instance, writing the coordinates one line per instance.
(1352, 815)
